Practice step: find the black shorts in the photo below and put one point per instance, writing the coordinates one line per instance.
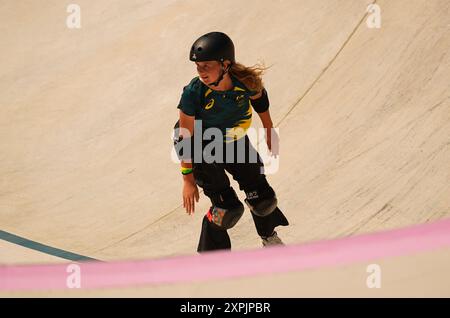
(247, 169)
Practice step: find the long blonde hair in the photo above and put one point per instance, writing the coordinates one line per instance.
(250, 76)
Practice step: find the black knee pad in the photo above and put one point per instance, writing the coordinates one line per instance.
(262, 200)
(226, 210)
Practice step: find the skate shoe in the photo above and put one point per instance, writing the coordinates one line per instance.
(272, 240)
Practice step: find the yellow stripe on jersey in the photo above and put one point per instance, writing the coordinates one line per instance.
(240, 129)
(208, 92)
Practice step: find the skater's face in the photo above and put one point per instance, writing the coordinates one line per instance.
(209, 71)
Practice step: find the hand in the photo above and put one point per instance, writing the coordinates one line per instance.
(273, 141)
(190, 195)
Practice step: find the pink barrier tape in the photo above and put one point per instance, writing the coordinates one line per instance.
(225, 264)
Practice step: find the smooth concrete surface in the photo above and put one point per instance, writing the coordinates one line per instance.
(86, 117)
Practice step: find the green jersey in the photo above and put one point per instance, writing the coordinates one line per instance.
(230, 111)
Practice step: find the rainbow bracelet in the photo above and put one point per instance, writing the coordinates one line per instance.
(186, 171)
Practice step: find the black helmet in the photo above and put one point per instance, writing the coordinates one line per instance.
(213, 46)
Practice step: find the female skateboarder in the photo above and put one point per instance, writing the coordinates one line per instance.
(220, 99)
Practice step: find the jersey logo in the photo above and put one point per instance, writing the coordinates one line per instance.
(240, 100)
(210, 104)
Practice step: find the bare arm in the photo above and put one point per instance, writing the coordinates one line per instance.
(266, 119)
(187, 122)
(262, 107)
(190, 191)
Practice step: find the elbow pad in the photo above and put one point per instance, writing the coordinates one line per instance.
(261, 104)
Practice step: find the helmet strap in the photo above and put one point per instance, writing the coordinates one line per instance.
(222, 73)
